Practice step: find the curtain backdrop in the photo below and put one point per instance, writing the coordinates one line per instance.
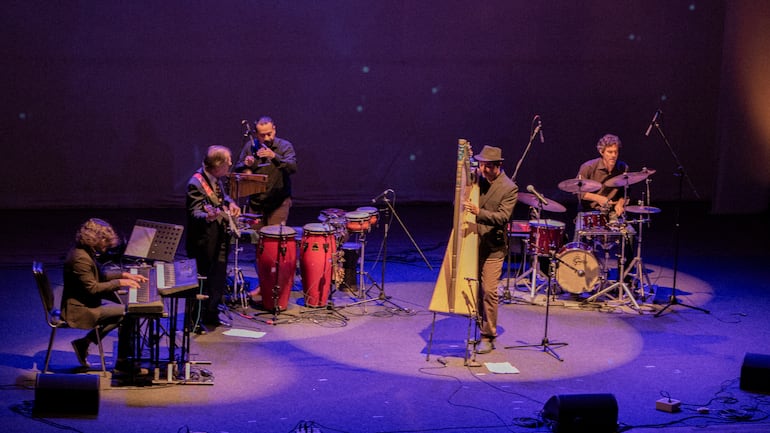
(112, 104)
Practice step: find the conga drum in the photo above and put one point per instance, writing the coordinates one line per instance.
(316, 255)
(276, 264)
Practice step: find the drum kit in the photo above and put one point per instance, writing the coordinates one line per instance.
(577, 269)
(318, 249)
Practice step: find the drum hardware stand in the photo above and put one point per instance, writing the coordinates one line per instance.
(622, 287)
(545, 344)
(681, 174)
(239, 284)
(534, 270)
(637, 265)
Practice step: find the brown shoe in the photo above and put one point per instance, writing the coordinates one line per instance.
(81, 351)
(485, 346)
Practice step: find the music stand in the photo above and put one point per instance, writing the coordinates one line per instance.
(154, 241)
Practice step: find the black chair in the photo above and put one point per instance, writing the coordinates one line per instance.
(53, 315)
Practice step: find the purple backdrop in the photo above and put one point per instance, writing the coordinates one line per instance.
(113, 103)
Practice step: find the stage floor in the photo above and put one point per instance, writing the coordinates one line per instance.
(389, 364)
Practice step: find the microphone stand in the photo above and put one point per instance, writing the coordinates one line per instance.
(386, 228)
(545, 344)
(535, 131)
(681, 174)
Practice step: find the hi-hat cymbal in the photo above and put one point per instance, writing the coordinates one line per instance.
(630, 178)
(579, 185)
(531, 200)
(642, 209)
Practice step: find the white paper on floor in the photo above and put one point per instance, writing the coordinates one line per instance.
(501, 367)
(244, 333)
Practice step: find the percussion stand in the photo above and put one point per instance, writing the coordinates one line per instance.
(622, 287)
(534, 270)
(382, 297)
(239, 284)
(637, 265)
(545, 344)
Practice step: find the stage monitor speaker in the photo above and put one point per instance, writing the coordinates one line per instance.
(66, 395)
(755, 373)
(580, 413)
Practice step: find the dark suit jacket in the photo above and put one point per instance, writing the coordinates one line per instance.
(203, 238)
(85, 287)
(496, 202)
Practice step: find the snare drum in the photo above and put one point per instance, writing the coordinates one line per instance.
(545, 236)
(594, 220)
(276, 244)
(357, 222)
(373, 213)
(317, 250)
(578, 270)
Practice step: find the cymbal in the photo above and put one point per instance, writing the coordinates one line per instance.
(531, 200)
(642, 209)
(579, 185)
(630, 178)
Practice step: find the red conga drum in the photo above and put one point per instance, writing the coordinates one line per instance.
(276, 264)
(316, 254)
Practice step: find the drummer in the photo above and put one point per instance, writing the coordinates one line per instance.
(609, 200)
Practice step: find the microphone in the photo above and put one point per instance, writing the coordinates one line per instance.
(246, 128)
(381, 195)
(537, 195)
(652, 122)
(540, 125)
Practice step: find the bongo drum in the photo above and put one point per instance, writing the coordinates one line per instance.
(357, 222)
(373, 213)
(276, 264)
(317, 250)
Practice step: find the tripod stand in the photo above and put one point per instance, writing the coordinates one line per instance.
(681, 174)
(545, 344)
(622, 287)
(239, 295)
(636, 267)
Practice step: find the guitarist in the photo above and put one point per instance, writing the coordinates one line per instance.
(497, 197)
(209, 211)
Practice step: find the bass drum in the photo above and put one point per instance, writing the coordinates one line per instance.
(578, 270)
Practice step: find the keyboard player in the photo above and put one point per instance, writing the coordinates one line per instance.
(90, 298)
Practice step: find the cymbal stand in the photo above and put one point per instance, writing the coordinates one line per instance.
(622, 287)
(545, 343)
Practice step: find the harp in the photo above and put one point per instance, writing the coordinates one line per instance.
(455, 287)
